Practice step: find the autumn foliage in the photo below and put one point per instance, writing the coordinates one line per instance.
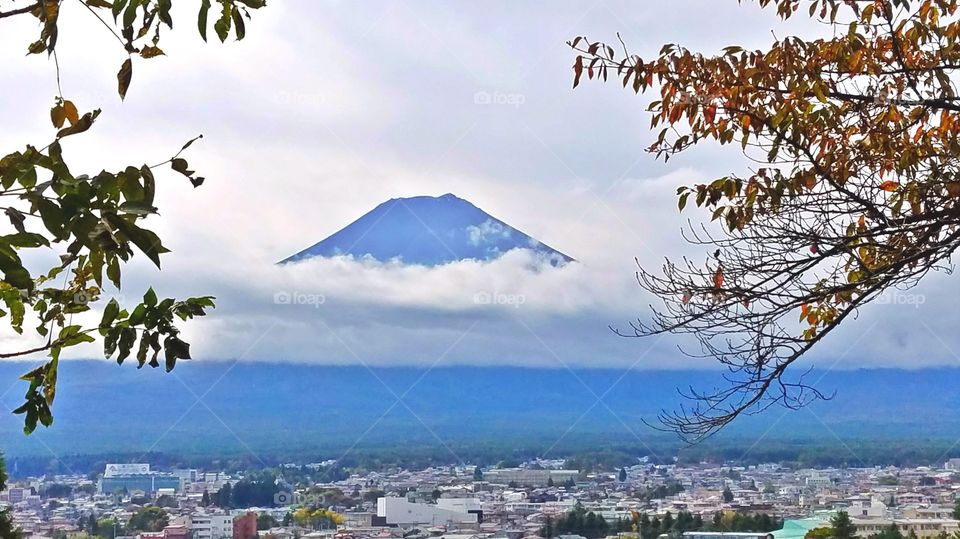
(852, 184)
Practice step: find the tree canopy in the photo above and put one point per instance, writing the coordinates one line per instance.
(853, 185)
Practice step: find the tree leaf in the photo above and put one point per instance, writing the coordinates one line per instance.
(222, 26)
(70, 110)
(151, 52)
(239, 24)
(123, 77)
(110, 313)
(889, 186)
(202, 18)
(58, 116)
(84, 123)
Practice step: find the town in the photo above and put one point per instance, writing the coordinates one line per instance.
(533, 500)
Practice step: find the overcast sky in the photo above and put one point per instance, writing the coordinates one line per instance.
(329, 108)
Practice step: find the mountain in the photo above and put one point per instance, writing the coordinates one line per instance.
(428, 231)
(273, 408)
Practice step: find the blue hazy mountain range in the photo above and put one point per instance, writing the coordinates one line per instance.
(428, 231)
(273, 408)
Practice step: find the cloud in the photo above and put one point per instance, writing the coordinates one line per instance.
(326, 110)
(488, 231)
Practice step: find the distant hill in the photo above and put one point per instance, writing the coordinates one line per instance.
(427, 231)
(269, 407)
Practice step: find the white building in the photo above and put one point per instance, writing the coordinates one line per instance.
(208, 526)
(460, 505)
(400, 512)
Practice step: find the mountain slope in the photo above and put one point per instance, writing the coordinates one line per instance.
(428, 231)
(276, 408)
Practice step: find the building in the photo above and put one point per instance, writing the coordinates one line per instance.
(394, 511)
(170, 532)
(17, 495)
(135, 478)
(530, 477)
(208, 526)
(462, 505)
(922, 527)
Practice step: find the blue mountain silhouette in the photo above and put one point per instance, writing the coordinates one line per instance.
(428, 231)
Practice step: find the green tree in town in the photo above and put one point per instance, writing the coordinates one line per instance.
(109, 528)
(666, 524)
(956, 510)
(477, 474)
(889, 532)
(93, 221)
(225, 496)
(265, 522)
(727, 495)
(622, 476)
(843, 527)
(645, 528)
(823, 532)
(149, 519)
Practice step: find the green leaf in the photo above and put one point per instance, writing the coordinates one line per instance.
(163, 10)
(113, 271)
(147, 241)
(202, 18)
(118, 6)
(130, 14)
(174, 349)
(142, 351)
(110, 313)
(150, 298)
(222, 26)
(14, 273)
(25, 240)
(110, 342)
(138, 315)
(239, 24)
(128, 336)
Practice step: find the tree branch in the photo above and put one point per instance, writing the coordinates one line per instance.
(19, 11)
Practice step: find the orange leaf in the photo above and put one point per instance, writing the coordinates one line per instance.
(718, 278)
(710, 113)
(889, 185)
